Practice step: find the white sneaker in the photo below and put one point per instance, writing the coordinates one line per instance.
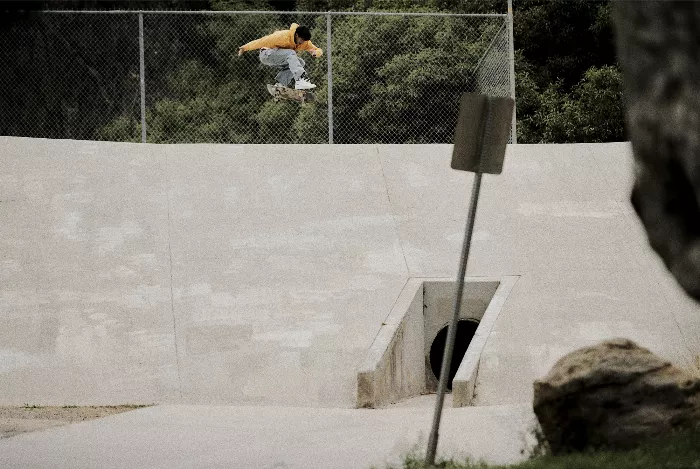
(303, 84)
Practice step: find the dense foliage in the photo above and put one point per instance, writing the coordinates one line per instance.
(395, 79)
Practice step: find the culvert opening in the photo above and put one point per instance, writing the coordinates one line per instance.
(466, 328)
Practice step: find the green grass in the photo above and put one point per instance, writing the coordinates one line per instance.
(678, 451)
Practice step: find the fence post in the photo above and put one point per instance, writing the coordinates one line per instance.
(330, 78)
(511, 59)
(143, 80)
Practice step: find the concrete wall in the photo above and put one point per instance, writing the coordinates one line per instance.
(394, 368)
(259, 275)
(558, 218)
(464, 382)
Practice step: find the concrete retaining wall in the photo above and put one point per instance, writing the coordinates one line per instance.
(394, 368)
(397, 365)
(464, 382)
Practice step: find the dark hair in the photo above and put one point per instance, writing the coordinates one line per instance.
(304, 33)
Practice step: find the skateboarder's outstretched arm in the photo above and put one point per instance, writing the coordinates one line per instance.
(311, 48)
(285, 39)
(271, 41)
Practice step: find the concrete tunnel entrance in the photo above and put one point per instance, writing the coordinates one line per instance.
(466, 328)
(405, 358)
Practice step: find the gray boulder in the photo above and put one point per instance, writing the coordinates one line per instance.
(614, 395)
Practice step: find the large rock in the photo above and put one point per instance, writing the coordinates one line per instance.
(613, 395)
(658, 44)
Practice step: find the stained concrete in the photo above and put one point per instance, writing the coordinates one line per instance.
(259, 275)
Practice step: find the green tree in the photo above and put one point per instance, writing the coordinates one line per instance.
(600, 108)
(561, 39)
(72, 75)
(592, 112)
(412, 101)
(65, 76)
(527, 102)
(398, 79)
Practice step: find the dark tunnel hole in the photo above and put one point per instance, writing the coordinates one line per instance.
(466, 328)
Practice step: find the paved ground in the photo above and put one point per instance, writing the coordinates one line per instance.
(183, 437)
(259, 275)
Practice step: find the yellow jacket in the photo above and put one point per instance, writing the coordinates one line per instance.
(283, 39)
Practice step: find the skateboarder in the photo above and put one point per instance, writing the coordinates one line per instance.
(279, 50)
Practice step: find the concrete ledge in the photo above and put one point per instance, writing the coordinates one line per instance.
(394, 368)
(465, 380)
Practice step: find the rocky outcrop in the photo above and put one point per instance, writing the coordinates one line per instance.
(614, 395)
(658, 45)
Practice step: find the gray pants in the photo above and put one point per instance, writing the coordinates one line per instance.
(286, 61)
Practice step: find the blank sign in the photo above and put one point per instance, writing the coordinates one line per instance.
(482, 131)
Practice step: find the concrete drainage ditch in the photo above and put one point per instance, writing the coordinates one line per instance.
(404, 359)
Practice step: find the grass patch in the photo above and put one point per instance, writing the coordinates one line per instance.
(678, 451)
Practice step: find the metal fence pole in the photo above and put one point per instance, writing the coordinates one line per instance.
(511, 52)
(330, 78)
(143, 80)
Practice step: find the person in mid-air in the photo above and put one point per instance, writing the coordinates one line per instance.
(279, 50)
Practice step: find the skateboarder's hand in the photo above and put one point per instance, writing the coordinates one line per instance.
(240, 51)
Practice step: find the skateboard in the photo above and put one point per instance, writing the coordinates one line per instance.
(282, 92)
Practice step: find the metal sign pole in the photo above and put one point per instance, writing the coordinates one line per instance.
(480, 144)
(452, 330)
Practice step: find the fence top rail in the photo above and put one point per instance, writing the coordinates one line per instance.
(268, 12)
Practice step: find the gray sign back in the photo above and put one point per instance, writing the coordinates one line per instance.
(482, 131)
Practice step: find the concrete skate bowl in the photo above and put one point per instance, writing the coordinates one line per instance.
(211, 274)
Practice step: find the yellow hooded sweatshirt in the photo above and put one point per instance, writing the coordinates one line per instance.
(283, 39)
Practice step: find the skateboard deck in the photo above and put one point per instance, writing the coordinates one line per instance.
(282, 92)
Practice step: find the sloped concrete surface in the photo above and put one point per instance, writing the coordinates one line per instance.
(260, 275)
(183, 437)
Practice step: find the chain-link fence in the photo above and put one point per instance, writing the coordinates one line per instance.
(176, 76)
(492, 77)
